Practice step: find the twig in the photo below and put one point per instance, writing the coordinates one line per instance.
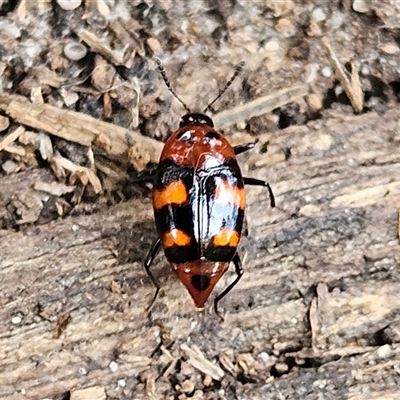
(259, 106)
(351, 86)
(199, 361)
(11, 137)
(99, 47)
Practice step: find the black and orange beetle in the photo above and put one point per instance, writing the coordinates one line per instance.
(199, 202)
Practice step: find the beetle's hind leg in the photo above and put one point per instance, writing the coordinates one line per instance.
(241, 148)
(258, 182)
(155, 248)
(239, 273)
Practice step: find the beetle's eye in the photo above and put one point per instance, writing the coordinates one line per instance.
(212, 135)
(185, 136)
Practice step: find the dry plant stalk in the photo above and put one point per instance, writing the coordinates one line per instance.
(351, 86)
(259, 106)
(199, 361)
(99, 47)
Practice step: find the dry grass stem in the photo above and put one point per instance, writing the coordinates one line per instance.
(259, 106)
(352, 85)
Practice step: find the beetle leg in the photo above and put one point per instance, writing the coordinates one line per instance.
(239, 274)
(241, 148)
(155, 248)
(147, 176)
(258, 182)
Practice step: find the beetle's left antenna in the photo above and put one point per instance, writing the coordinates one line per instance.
(168, 83)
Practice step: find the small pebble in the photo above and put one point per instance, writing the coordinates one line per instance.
(82, 371)
(75, 51)
(113, 366)
(284, 25)
(384, 351)
(392, 334)
(10, 29)
(338, 90)
(312, 71)
(69, 4)
(315, 103)
(207, 380)
(281, 368)
(154, 44)
(272, 46)
(16, 320)
(187, 386)
(365, 70)
(326, 72)
(335, 21)
(32, 48)
(264, 357)
(390, 48)
(10, 167)
(361, 6)
(318, 15)
(314, 29)
(121, 382)
(4, 123)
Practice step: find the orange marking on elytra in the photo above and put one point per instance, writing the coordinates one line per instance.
(226, 237)
(228, 194)
(176, 237)
(174, 193)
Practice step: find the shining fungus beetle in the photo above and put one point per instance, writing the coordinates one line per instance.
(199, 202)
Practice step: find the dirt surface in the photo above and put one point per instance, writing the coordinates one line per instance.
(316, 314)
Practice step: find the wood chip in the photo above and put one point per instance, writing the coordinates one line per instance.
(227, 363)
(319, 314)
(27, 207)
(11, 137)
(17, 150)
(36, 95)
(352, 85)
(103, 75)
(45, 147)
(53, 188)
(390, 48)
(84, 174)
(92, 393)
(199, 361)
(62, 323)
(115, 287)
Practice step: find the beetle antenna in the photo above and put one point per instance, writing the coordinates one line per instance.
(238, 70)
(168, 83)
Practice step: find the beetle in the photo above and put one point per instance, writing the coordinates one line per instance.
(199, 202)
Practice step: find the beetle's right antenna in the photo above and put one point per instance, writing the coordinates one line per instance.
(238, 70)
(168, 83)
